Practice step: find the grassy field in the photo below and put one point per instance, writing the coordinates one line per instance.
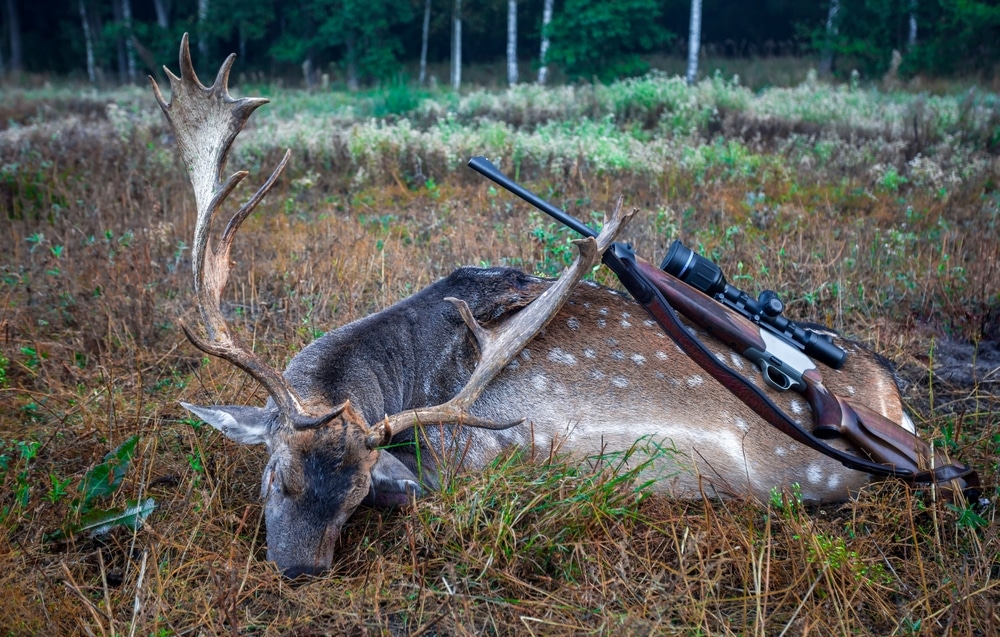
(877, 213)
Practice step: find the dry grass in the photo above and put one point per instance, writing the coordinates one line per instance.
(95, 278)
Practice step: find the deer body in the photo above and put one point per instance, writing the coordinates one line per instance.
(481, 362)
(600, 377)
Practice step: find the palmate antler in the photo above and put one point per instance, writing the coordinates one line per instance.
(499, 346)
(206, 121)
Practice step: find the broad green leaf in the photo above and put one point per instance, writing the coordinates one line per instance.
(102, 480)
(101, 521)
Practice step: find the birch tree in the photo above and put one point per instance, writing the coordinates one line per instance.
(512, 42)
(162, 13)
(826, 60)
(88, 40)
(911, 40)
(456, 45)
(203, 7)
(129, 46)
(423, 42)
(543, 68)
(14, 33)
(122, 10)
(694, 42)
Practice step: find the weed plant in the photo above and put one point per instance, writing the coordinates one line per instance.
(876, 213)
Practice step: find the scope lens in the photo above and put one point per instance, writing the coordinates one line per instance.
(693, 269)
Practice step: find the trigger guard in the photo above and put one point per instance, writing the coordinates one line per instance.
(775, 377)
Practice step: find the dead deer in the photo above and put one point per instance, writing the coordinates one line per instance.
(480, 363)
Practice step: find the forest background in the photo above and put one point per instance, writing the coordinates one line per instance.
(358, 43)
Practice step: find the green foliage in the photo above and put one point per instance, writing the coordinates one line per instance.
(358, 33)
(246, 20)
(26, 452)
(953, 35)
(100, 483)
(832, 552)
(592, 38)
(788, 504)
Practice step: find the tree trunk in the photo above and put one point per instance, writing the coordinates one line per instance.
(88, 42)
(911, 40)
(456, 46)
(512, 42)
(826, 60)
(162, 13)
(129, 48)
(423, 42)
(694, 42)
(543, 68)
(203, 7)
(352, 63)
(14, 31)
(116, 10)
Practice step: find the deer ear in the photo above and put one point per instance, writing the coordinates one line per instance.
(246, 425)
(392, 483)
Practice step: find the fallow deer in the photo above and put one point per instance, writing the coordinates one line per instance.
(488, 360)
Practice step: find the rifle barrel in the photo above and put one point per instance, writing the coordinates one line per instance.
(486, 168)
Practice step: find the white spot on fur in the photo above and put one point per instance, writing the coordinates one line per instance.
(557, 355)
(526, 354)
(618, 355)
(695, 381)
(573, 323)
(661, 355)
(596, 374)
(511, 366)
(625, 325)
(737, 360)
(649, 323)
(603, 311)
(586, 304)
(814, 474)
(638, 359)
(540, 382)
(619, 381)
(780, 452)
(589, 353)
(660, 375)
(626, 315)
(601, 323)
(742, 425)
(612, 342)
(850, 390)
(833, 482)
(796, 406)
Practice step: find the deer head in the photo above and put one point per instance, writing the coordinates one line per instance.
(325, 459)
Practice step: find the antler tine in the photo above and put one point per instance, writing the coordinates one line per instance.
(206, 121)
(500, 345)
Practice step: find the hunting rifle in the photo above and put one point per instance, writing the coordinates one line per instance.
(892, 450)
